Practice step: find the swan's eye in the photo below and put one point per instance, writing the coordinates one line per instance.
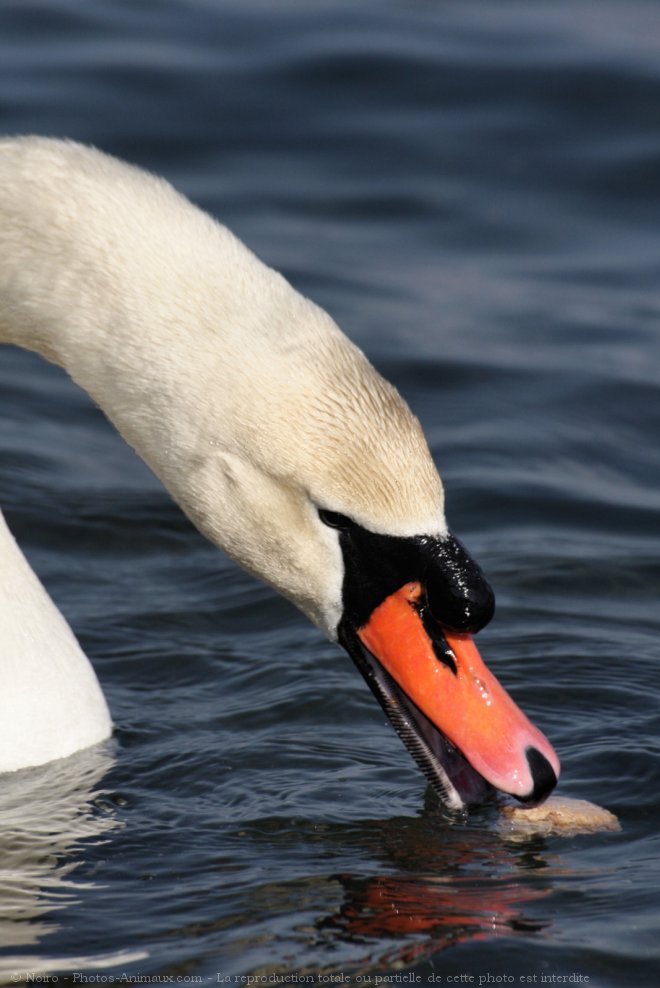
(334, 520)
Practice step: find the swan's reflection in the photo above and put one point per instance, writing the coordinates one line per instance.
(46, 813)
(436, 885)
(450, 886)
(421, 916)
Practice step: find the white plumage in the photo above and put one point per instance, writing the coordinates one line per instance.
(243, 397)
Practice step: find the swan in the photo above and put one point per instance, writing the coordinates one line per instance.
(276, 437)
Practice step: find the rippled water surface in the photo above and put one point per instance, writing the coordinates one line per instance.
(473, 191)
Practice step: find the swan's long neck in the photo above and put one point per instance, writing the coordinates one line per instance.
(241, 395)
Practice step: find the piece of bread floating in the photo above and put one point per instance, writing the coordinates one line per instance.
(560, 816)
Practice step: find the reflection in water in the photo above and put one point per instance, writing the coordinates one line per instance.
(46, 814)
(437, 885)
(424, 915)
(451, 885)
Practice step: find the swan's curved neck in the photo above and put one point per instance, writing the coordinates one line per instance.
(111, 274)
(242, 396)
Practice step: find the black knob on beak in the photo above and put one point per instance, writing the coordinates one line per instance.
(458, 595)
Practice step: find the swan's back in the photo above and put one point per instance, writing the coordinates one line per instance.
(51, 704)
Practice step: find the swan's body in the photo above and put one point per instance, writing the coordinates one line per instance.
(244, 398)
(51, 704)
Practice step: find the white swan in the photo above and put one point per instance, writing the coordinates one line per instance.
(276, 437)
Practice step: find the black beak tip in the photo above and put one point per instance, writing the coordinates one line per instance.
(543, 776)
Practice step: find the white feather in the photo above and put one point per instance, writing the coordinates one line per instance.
(243, 397)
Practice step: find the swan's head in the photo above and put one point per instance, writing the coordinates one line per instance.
(328, 491)
(275, 435)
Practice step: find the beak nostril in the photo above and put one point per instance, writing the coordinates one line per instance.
(543, 776)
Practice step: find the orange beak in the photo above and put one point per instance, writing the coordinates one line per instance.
(446, 679)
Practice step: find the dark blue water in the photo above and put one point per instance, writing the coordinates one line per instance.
(473, 191)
